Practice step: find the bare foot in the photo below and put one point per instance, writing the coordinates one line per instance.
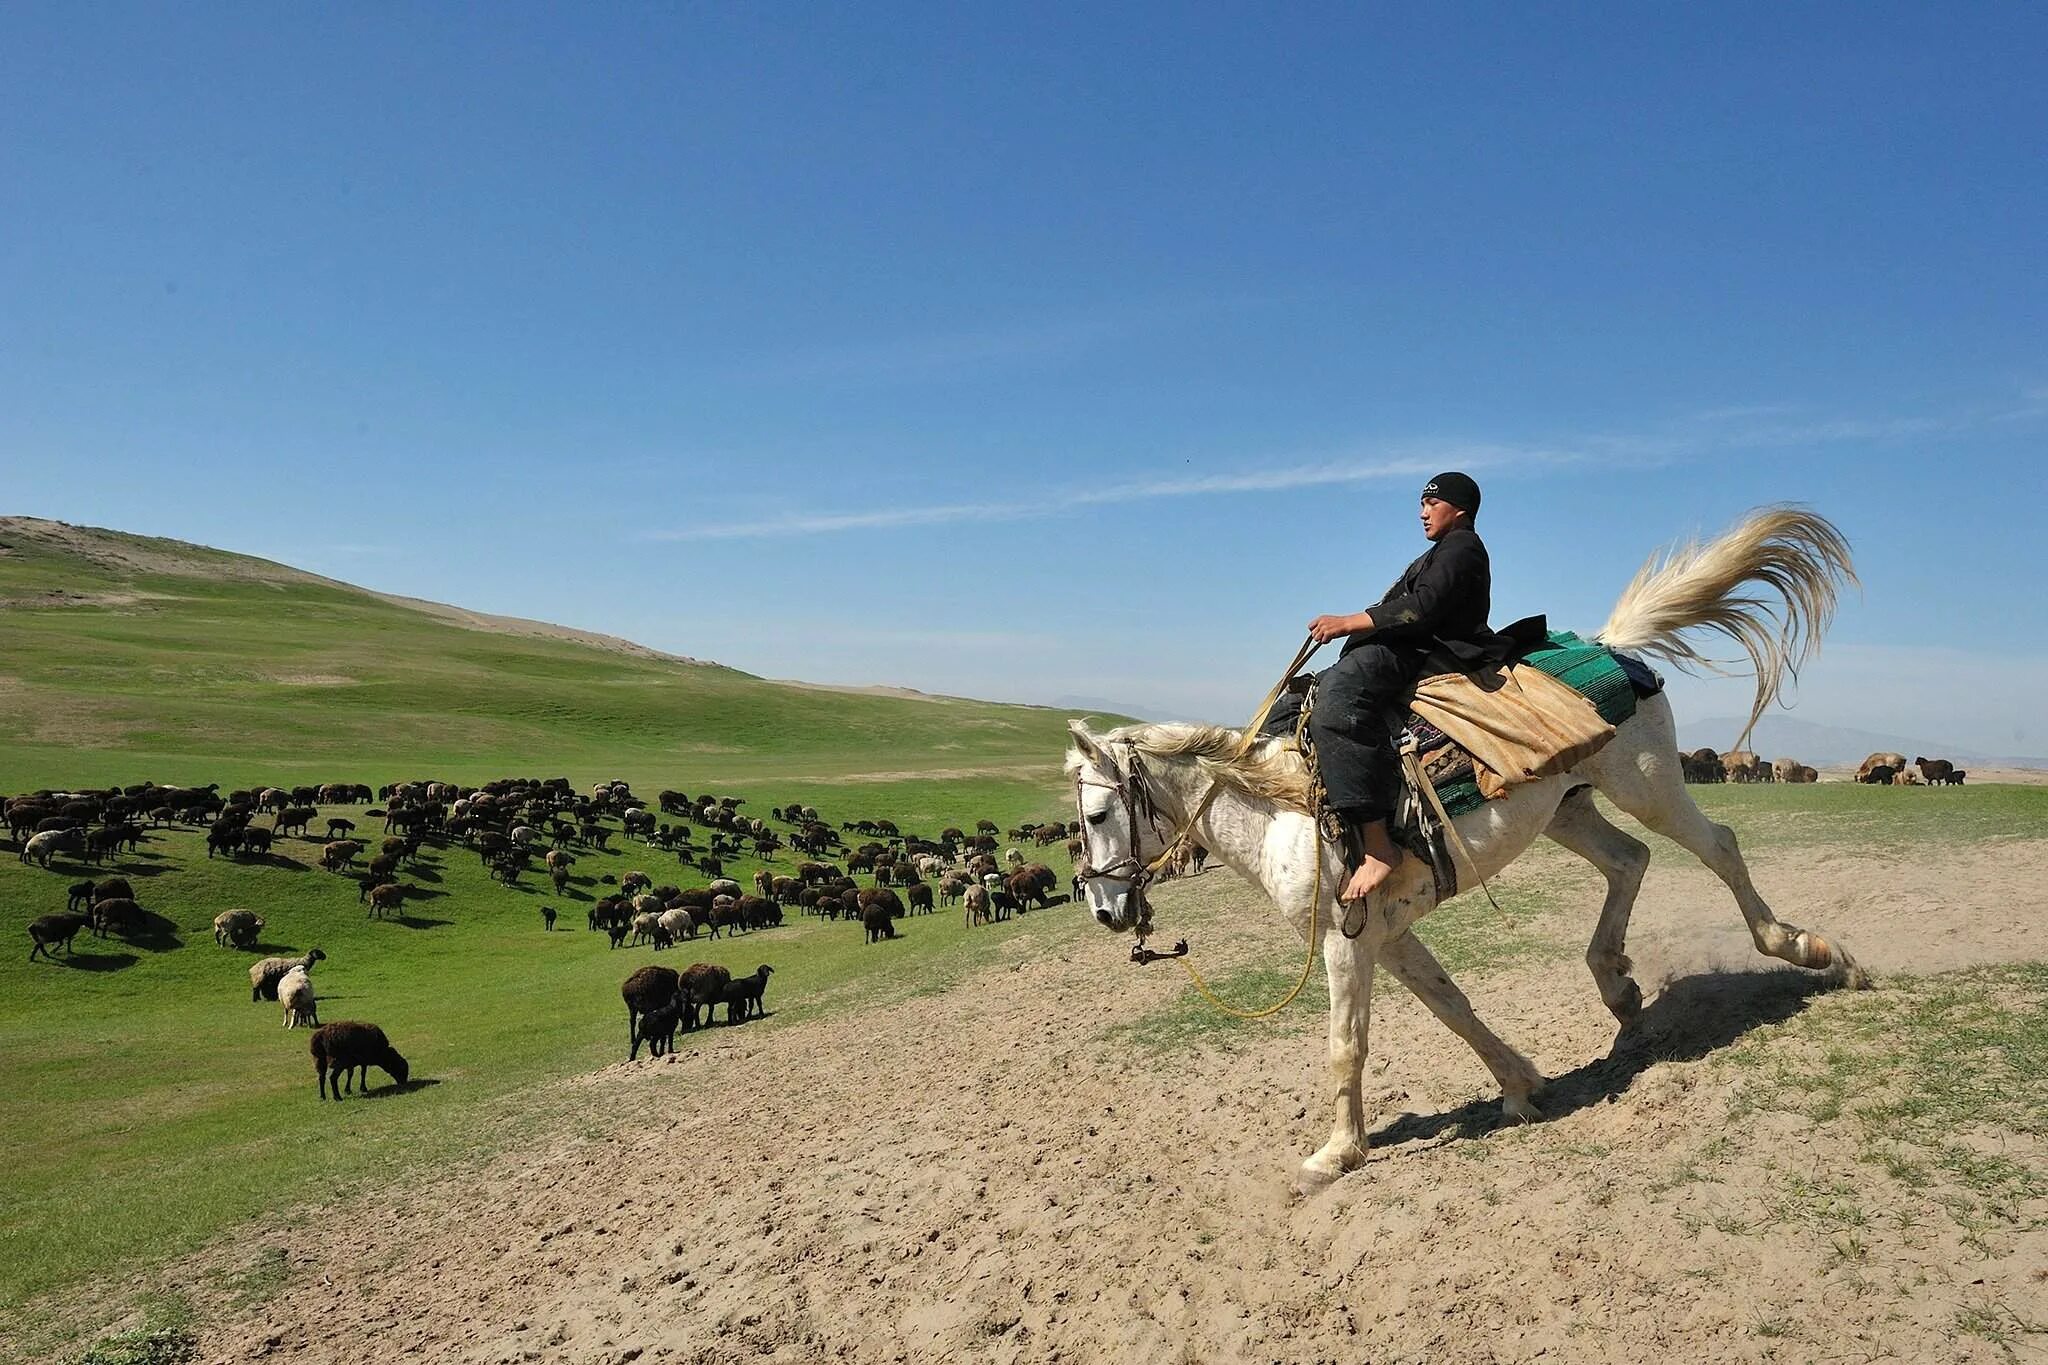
(1366, 879)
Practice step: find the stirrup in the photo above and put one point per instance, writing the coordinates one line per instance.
(1353, 843)
(1353, 923)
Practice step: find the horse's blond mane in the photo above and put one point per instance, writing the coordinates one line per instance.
(1272, 770)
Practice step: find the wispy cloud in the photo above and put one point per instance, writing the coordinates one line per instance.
(1754, 427)
(1046, 503)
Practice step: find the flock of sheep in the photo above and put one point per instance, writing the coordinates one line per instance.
(506, 823)
(1741, 765)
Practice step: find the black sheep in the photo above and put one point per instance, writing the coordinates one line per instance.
(53, 929)
(648, 989)
(340, 1050)
(657, 1028)
(878, 922)
(742, 995)
(702, 983)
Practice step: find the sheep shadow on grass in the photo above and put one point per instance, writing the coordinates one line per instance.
(96, 962)
(274, 859)
(417, 922)
(389, 1090)
(156, 934)
(1691, 1018)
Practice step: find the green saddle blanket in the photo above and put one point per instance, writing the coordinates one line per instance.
(1588, 668)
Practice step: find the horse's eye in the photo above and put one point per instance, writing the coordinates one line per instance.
(1098, 817)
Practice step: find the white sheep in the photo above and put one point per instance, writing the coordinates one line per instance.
(295, 993)
(678, 923)
(1013, 857)
(644, 926)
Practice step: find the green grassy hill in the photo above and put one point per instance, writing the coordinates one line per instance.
(127, 657)
(151, 1105)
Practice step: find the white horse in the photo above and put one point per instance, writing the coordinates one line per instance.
(1138, 785)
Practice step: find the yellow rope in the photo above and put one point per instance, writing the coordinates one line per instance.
(1315, 904)
(1308, 962)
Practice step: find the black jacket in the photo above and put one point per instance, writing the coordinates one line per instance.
(1436, 610)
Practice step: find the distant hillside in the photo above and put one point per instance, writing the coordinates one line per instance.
(1788, 737)
(126, 656)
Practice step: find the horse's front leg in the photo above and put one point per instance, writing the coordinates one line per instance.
(1348, 963)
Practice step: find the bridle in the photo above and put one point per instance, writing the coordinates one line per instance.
(1136, 797)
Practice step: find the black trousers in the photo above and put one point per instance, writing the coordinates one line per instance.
(1357, 699)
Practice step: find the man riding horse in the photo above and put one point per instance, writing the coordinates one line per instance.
(1433, 620)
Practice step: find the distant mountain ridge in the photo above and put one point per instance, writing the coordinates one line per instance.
(1811, 742)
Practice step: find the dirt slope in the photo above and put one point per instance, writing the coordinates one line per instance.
(978, 1175)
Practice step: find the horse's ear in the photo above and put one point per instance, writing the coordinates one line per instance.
(1078, 731)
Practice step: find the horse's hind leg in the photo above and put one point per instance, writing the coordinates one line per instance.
(1415, 967)
(1580, 827)
(1646, 782)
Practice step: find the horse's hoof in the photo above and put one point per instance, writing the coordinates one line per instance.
(1312, 1180)
(1520, 1110)
(1629, 1006)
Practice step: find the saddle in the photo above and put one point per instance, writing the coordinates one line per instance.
(1473, 737)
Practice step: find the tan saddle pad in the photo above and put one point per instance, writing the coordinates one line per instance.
(1518, 723)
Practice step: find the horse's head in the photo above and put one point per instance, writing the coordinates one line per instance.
(1116, 811)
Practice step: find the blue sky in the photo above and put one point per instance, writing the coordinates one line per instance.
(1037, 351)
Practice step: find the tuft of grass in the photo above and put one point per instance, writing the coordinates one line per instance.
(143, 1346)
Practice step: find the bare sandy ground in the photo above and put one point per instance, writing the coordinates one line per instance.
(995, 1173)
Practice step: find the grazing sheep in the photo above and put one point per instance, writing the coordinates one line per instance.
(40, 848)
(237, 928)
(110, 888)
(295, 993)
(703, 984)
(878, 923)
(264, 975)
(645, 925)
(341, 1050)
(79, 894)
(118, 914)
(657, 1028)
(678, 923)
(977, 906)
(919, 895)
(547, 918)
(49, 930)
(388, 897)
(1880, 775)
(339, 854)
(648, 988)
(1034, 883)
(1014, 857)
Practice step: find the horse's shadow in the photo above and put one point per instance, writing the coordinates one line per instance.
(1691, 1018)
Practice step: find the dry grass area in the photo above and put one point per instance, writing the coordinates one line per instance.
(1040, 1164)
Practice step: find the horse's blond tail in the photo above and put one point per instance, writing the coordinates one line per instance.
(1798, 556)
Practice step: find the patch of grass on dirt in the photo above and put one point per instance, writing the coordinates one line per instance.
(1881, 819)
(1939, 1081)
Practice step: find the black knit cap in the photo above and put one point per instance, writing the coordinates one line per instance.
(1456, 489)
